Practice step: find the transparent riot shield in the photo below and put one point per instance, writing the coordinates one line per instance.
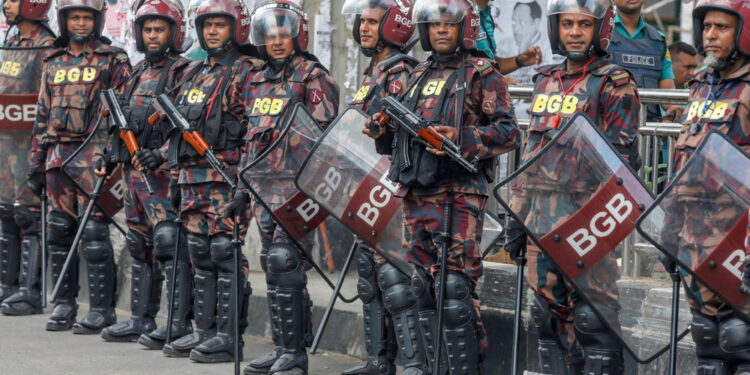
(270, 178)
(79, 167)
(20, 77)
(701, 220)
(579, 203)
(348, 178)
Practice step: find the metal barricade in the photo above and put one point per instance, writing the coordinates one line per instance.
(653, 137)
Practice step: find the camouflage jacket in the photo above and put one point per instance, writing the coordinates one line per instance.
(607, 94)
(69, 105)
(487, 125)
(386, 78)
(271, 97)
(222, 126)
(723, 104)
(150, 79)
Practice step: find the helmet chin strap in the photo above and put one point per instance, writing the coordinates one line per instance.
(218, 51)
(156, 56)
(370, 52)
(280, 63)
(80, 38)
(579, 56)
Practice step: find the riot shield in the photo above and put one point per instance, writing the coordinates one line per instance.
(79, 167)
(270, 179)
(20, 78)
(701, 220)
(579, 203)
(348, 178)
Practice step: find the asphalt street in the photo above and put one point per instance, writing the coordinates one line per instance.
(26, 348)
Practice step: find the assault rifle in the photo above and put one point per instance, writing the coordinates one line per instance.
(113, 110)
(165, 108)
(420, 129)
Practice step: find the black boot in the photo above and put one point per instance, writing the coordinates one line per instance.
(294, 308)
(181, 321)
(204, 309)
(262, 365)
(10, 252)
(100, 264)
(28, 299)
(145, 290)
(64, 313)
(220, 348)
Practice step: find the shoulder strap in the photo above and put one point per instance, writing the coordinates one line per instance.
(164, 77)
(134, 77)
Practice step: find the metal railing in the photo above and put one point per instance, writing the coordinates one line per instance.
(653, 137)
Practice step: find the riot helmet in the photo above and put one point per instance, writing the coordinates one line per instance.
(395, 28)
(738, 8)
(169, 10)
(462, 12)
(98, 7)
(601, 10)
(280, 14)
(30, 10)
(233, 9)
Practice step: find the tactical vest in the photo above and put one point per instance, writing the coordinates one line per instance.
(143, 93)
(643, 58)
(72, 87)
(547, 104)
(728, 111)
(273, 104)
(201, 106)
(411, 165)
(373, 85)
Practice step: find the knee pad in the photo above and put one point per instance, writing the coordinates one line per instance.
(165, 238)
(422, 285)
(200, 253)
(705, 332)
(542, 318)
(26, 220)
(459, 308)
(95, 245)
(366, 286)
(6, 212)
(734, 335)
(712, 366)
(221, 252)
(136, 245)
(398, 293)
(61, 227)
(284, 266)
(591, 331)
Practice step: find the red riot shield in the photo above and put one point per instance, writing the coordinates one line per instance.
(348, 178)
(270, 178)
(579, 201)
(79, 167)
(20, 77)
(701, 220)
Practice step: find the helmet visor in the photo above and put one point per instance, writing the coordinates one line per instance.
(593, 8)
(448, 11)
(272, 23)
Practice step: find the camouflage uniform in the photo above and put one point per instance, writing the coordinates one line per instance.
(151, 231)
(210, 98)
(67, 111)
(608, 95)
(376, 278)
(19, 236)
(722, 104)
(488, 128)
(271, 96)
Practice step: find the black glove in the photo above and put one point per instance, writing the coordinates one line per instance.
(174, 194)
(745, 288)
(517, 239)
(36, 182)
(150, 159)
(237, 206)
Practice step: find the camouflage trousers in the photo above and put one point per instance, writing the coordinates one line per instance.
(548, 282)
(423, 223)
(65, 196)
(14, 166)
(143, 210)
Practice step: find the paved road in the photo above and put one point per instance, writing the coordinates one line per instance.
(26, 348)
